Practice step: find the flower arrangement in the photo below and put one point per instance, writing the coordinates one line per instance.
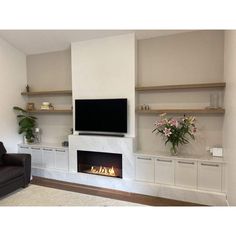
(176, 130)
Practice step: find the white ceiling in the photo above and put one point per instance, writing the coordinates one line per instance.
(40, 41)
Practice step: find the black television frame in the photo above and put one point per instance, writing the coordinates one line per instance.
(123, 107)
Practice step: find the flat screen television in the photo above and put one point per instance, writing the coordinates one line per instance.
(101, 115)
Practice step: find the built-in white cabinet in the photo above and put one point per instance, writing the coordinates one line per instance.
(145, 169)
(36, 156)
(210, 176)
(24, 149)
(201, 174)
(46, 156)
(186, 173)
(61, 159)
(164, 171)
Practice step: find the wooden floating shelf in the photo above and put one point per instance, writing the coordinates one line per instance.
(59, 92)
(182, 86)
(181, 111)
(51, 111)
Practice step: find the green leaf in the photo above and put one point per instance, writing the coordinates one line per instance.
(20, 116)
(32, 117)
(19, 109)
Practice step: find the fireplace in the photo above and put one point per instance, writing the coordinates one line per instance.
(100, 163)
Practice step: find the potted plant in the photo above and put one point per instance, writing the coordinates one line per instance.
(27, 124)
(176, 130)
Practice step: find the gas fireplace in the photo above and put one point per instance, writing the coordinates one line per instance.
(100, 163)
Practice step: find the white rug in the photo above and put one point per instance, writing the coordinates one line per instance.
(43, 196)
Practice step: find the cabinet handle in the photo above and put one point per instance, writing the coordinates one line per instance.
(25, 147)
(35, 148)
(213, 165)
(186, 162)
(164, 160)
(60, 150)
(143, 158)
(47, 149)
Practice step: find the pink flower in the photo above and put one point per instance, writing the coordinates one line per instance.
(158, 124)
(174, 122)
(167, 132)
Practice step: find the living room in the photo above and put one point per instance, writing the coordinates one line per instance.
(131, 62)
(117, 117)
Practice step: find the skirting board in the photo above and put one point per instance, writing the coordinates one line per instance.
(156, 190)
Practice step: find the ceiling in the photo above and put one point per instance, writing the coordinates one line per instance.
(41, 41)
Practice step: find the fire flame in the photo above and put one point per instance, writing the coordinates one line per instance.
(103, 170)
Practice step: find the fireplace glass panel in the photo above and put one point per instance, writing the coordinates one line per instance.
(100, 163)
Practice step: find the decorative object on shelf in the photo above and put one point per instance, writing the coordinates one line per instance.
(46, 106)
(27, 123)
(27, 88)
(37, 135)
(214, 100)
(30, 106)
(144, 107)
(176, 130)
(65, 144)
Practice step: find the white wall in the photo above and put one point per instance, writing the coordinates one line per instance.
(105, 68)
(192, 57)
(229, 131)
(51, 71)
(13, 81)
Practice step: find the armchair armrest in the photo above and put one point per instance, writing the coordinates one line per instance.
(19, 159)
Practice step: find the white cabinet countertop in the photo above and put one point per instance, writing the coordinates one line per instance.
(43, 145)
(185, 157)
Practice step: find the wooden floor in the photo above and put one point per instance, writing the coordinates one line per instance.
(109, 193)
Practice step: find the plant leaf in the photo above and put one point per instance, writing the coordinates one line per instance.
(19, 109)
(20, 116)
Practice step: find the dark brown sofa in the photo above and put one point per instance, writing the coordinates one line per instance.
(15, 171)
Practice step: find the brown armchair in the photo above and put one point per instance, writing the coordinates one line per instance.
(15, 171)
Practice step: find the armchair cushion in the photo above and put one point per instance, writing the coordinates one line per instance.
(10, 172)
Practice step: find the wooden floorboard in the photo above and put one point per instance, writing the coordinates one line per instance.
(109, 193)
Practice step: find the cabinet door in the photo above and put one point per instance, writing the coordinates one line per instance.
(186, 173)
(145, 169)
(209, 176)
(164, 171)
(48, 158)
(61, 159)
(24, 149)
(36, 155)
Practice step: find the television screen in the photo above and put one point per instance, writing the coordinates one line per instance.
(101, 115)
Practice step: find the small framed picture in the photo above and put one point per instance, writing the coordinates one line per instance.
(30, 106)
